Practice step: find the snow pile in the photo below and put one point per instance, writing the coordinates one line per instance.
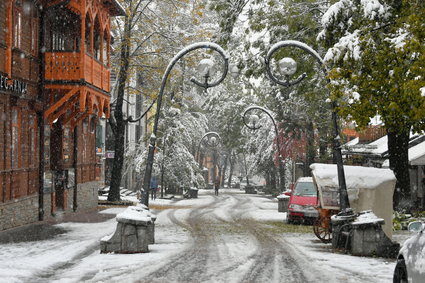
(367, 217)
(137, 213)
(282, 196)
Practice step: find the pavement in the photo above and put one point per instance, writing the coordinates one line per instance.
(46, 229)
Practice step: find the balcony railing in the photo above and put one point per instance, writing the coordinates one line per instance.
(68, 66)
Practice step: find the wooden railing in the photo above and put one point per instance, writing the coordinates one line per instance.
(372, 133)
(67, 66)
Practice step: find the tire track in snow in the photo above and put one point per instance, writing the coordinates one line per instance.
(272, 261)
(189, 266)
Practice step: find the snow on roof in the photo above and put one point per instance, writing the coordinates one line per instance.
(356, 177)
(377, 147)
(380, 147)
(417, 154)
(352, 142)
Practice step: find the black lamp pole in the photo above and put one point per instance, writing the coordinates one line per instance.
(288, 67)
(178, 56)
(254, 126)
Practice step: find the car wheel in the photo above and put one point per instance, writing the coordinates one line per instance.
(400, 272)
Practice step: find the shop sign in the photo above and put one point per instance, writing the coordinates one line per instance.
(15, 86)
(110, 154)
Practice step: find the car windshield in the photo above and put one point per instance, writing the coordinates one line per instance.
(305, 189)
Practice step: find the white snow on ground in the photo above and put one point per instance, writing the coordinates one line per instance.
(78, 249)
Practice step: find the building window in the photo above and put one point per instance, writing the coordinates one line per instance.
(88, 35)
(17, 24)
(34, 36)
(58, 41)
(105, 49)
(15, 138)
(97, 39)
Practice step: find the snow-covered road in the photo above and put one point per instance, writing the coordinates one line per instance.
(230, 238)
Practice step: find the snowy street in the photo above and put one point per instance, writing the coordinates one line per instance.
(234, 237)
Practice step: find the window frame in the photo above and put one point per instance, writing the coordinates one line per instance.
(17, 24)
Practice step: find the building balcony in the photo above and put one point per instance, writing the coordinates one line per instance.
(68, 67)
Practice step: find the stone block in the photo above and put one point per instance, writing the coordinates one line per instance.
(135, 231)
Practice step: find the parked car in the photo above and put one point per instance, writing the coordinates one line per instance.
(411, 258)
(303, 202)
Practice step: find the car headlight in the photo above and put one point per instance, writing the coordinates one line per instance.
(309, 208)
(295, 206)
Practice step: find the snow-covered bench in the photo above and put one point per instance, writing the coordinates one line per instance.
(135, 231)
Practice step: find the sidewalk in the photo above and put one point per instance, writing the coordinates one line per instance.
(44, 230)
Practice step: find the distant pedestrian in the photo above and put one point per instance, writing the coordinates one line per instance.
(216, 187)
(154, 187)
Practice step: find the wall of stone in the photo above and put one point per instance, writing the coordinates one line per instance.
(87, 195)
(25, 210)
(47, 205)
(19, 212)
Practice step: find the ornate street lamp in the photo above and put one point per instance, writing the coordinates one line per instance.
(206, 69)
(211, 140)
(288, 68)
(253, 125)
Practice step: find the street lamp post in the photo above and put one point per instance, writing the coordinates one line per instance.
(211, 139)
(288, 68)
(205, 69)
(253, 126)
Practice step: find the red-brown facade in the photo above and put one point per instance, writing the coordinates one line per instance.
(54, 86)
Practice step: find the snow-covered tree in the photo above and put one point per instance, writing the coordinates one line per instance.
(145, 40)
(377, 55)
(181, 130)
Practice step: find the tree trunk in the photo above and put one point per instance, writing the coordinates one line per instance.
(398, 146)
(282, 173)
(311, 152)
(118, 125)
(223, 173)
(231, 160)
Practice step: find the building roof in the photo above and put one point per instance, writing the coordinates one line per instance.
(115, 7)
(379, 148)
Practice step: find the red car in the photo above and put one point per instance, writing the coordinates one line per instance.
(303, 202)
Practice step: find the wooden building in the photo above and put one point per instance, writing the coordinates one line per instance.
(54, 87)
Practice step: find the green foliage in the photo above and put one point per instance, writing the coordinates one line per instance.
(388, 76)
(401, 220)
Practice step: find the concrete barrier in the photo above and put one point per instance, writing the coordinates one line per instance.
(135, 231)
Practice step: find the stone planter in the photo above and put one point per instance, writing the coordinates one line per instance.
(250, 190)
(135, 231)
